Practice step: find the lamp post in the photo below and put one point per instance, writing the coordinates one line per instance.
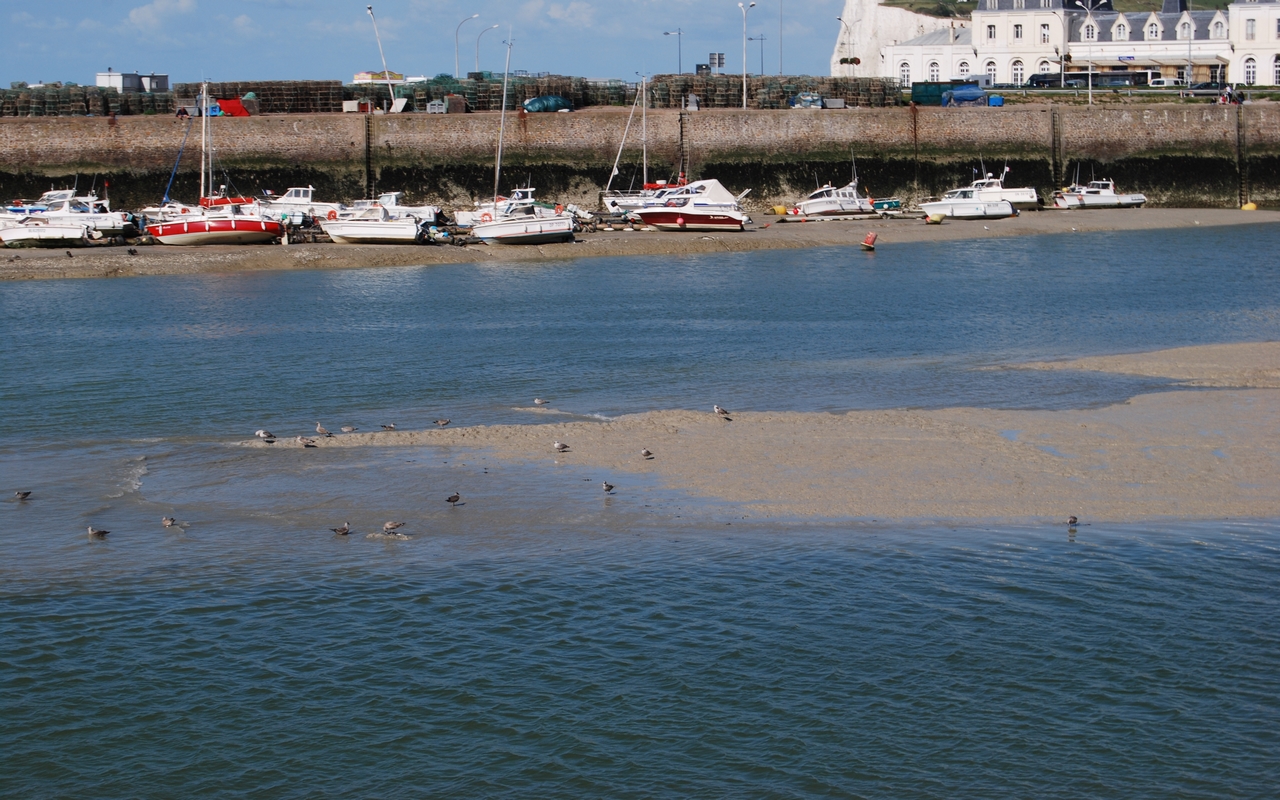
(848, 39)
(455, 42)
(482, 33)
(779, 39)
(744, 50)
(679, 49)
(761, 40)
(1089, 8)
(1190, 34)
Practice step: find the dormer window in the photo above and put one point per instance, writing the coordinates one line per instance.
(1122, 32)
(1019, 4)
(1153, 31)
(1090, 32)
(1184, 31)
(1219, 30)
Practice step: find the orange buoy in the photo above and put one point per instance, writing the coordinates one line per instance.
(869, 243)
(332, 215)
(559, 208)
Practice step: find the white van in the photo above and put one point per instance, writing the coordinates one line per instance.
(1164, 83)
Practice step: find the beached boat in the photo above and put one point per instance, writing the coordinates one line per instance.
(700, 206)
(223, 224)
(38, 231)
(963, 204)
(299, 201)
(78, 211)
(373, 225)
(829, 202)
(391, 201)
(1098, 194)
(992, 189)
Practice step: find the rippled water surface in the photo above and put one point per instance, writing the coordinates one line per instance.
(542, 639)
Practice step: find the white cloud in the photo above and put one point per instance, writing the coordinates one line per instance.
(577, 13)
(153, 14)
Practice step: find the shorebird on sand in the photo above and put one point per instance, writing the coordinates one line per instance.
(390, 427)
(305, 442)
(608, 487)
(722, 414)
(538, 401)
(69, 254)
(349, 429)
(264, 434)
(320, 429)
(168, 522)
(561, 447)
(98, 533)
(1072, 520)
(443, 422)
(20, 496)
(342, 530)
(453, 499)
(390, 527)
(646, 454)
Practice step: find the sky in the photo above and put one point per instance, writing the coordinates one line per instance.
(223, 40)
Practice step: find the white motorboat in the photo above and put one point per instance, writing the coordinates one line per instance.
(1098, 194)
(964, 204)
(701, 206)
(391, 201)
(38, 231)
(301, 200)
(991, 189)
(75, 211)
(526, 229)
(830, 202)
(373, 225)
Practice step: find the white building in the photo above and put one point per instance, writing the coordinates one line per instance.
(867, 27)
(132, 81)
(1010, 40)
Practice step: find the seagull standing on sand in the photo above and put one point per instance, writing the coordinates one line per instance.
(390, 527)
(320, 429)
(343, 530)
(305, 442)
(608, 487)
(453, 499)
(168, 522)
(97, 532)
(349, 429)
(561, 447)
(538, 401)
(20, 496)
(442, 422)
(646, 454)
(720, 411)
(265, 435)
(390, 427)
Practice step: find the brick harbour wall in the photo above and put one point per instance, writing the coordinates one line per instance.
(1178, 154)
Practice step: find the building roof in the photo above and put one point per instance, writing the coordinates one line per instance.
(941, 37)
(1106, 21)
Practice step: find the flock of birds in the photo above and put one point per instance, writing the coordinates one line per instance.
(391, 527)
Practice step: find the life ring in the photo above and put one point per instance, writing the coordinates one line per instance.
(332, 215)
(186, 211)
(486, 217)
(559, 208)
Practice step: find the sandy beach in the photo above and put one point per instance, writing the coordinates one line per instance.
(769, 233)
(1195, 454)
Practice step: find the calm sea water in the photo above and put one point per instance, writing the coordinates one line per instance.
(544, 640)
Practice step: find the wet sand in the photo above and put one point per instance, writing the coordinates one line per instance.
(1179, 455)
(768, 234)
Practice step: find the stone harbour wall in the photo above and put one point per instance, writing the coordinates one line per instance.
(1199, 155)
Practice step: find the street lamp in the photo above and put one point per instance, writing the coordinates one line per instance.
(478, 35)
(744, 50)
(761, 40)
(679, 48)
(1089, 9)
(455, 42)
(848, 38)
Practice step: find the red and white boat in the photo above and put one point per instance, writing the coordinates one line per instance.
(700, 206)
(219, 220)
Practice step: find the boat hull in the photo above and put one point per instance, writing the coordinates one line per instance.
(834, 208)
(969, 209)
(1023, 199)
(680, 219)
(45, 236)
(360, 232)
(525, 230)
(219, 231)
(1074, 200)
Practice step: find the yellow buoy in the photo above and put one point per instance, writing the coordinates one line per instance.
(1249, 207)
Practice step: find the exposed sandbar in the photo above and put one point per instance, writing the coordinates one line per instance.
(96, 262)
(1186, 455)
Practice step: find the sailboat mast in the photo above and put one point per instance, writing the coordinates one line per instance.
(502, 123)
(617, 159)
(204, 133)
(644, 125)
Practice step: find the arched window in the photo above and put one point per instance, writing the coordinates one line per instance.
(934, 71)
(1250, 71)
(991, 71)
(904, 73)
(1153, 31)
(1043, 67)
(1218, 30)
(1090, 32)
(1122, 32)
(1184, 31)
(963, 69)
(1275, 72)
(1018, 73)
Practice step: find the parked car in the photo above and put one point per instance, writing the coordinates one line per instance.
(1211, 86)
(1165, 83)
